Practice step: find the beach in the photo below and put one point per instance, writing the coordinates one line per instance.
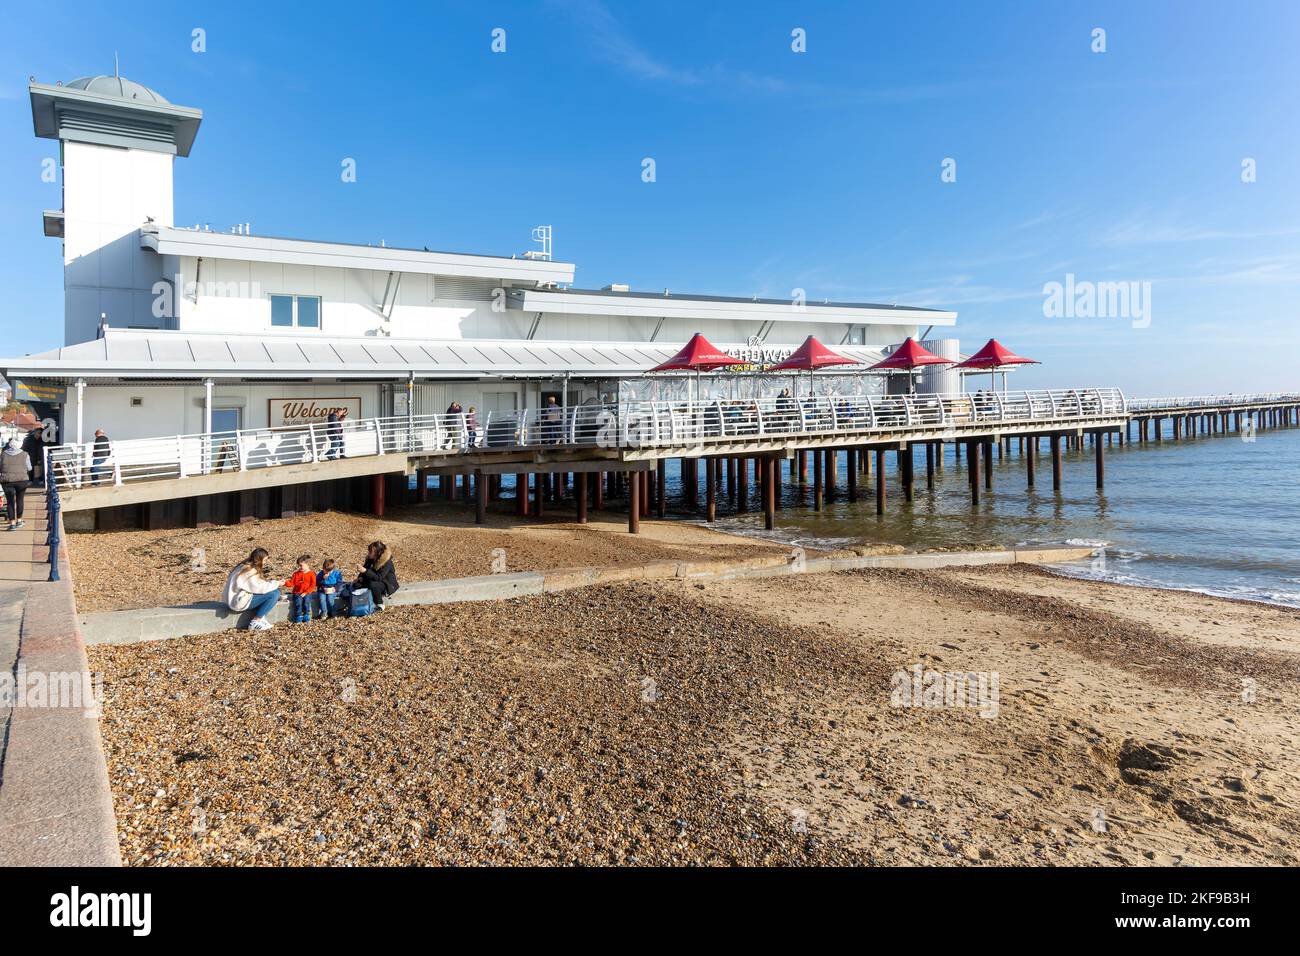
(751, 721)
(431, 542)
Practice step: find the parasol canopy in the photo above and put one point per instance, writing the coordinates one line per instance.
(812, 355)
(908, 356)
(699, 353)
(995, 355)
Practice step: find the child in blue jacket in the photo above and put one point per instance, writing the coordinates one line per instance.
(329, 585)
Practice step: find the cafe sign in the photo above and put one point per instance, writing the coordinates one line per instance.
(757, 357)
(305, 411)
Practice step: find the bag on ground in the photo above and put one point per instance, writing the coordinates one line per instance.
(362, 603)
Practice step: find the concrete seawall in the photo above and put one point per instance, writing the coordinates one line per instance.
(56, 807)
(127, 627)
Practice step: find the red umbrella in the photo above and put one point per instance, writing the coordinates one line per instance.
(810, 356)
(995, 357)
(698, 354)
(908, 357)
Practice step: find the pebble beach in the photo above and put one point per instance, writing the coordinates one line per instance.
(738, 722)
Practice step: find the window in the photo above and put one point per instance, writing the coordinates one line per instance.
(225, 419)
(300, 311)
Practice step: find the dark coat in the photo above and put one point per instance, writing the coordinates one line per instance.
(34, 445)
(379, 575)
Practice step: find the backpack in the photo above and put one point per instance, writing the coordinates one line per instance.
(362, 604)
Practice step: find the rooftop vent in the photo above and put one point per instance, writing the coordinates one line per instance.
(617, 287)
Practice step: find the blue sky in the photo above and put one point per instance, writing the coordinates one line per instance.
(775, 170)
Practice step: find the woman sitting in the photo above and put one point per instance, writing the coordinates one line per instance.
(249, 588)
(377, 573)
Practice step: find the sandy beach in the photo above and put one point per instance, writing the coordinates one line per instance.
(741, 722)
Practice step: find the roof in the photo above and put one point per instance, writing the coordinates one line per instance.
(697, 307)
(116, 86)
(168, 355)
(113, 111)
(170, 240)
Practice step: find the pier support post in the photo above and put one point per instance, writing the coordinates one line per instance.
(776, 483)
(1056, 462)
(817, 480)
(539, 495)
(1101, 467)
(974, 458)
(929, 465)
(905, 470)
(480, 497)
(710, 490)
(742, 484)
(661, 472)
(769, 493)
(634, 503)
(830, 468)
(580, 496)
(988, 464)
(880, 481)
(421, 485)
(851, 471)
(377, 495)
(1029, 469)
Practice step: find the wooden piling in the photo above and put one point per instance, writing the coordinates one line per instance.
(880, 481)
(974, 457)
(818, 488)
(905, 465)
(851, 471)
(1101, 466)
(1056, 462)
(580, 496)
(769, 493)
(634, 504)
(710, 490)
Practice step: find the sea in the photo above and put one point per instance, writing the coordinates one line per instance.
(1215, 514)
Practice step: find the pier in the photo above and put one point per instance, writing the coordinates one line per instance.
(583, 457)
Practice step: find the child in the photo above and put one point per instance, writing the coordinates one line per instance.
(301, 587)
(471, 426)
(330, 585)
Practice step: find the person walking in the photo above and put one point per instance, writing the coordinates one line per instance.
(552, 418)
(332, 431)
(471, 426)
(453, 424)
(34, 445)
(249, 588)
(99, 457)
(15, 467)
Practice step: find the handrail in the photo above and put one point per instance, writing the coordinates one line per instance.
(1139, 405)
(625, 425)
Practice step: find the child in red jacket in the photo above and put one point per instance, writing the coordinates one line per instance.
(301, 588)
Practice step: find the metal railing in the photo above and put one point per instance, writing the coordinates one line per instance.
(52, 507)
(1140, 405)
(628, 425)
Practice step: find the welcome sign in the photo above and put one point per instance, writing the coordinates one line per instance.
(305, 411)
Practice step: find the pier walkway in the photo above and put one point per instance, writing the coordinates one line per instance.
(624, 447)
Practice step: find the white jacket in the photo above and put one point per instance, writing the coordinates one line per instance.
(242, 583)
